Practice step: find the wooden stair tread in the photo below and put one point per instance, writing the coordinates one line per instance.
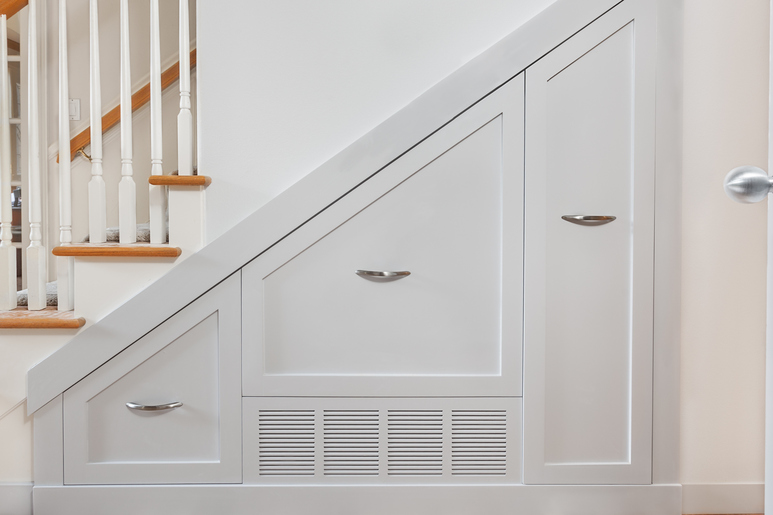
(48, 318)
(117, 250)
(180, 180)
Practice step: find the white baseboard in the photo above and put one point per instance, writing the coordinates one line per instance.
(723, 498)
(363, 500)
(15, 498)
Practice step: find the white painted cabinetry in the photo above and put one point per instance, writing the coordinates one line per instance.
(439, 326)
(589, 288)
(449, 213)
(193, 359)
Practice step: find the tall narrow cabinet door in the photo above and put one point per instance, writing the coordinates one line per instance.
(588, 276)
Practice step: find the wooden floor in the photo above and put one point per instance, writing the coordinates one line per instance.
(48, 318)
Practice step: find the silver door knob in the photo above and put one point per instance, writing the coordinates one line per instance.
(748, 184)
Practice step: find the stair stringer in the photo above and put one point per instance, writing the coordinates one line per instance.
(308, 197)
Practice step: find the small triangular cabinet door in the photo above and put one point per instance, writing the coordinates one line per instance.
(192, 358)
(449, 211)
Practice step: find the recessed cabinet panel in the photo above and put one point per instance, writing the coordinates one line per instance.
(320, 316)
(443, 225)
(588, 258)
(162, 435)
(114, 436)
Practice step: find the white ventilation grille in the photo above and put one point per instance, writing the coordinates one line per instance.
(351, 442)
(286, 442)
(415, 442)
(479, 442)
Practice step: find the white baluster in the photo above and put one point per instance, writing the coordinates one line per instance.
(185, 118)
(64, 265)
(7, 250)
(36, 252)
(127, 190)
(97, 201)
(157, 198)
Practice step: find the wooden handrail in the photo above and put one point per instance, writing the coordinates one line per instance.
(139, 99)
(11, 7)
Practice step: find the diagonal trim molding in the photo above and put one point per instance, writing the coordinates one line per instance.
(2, 416)
(723, 498)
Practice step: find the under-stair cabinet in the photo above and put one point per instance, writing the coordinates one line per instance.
(469, 330)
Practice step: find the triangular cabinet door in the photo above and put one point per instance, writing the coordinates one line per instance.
(589, 246)
(409, 285)
(123, 424)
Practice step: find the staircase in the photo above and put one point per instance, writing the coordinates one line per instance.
(92, 278)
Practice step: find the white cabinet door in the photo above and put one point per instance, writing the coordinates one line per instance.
(588, 288)
(192, 358)
(449, 211)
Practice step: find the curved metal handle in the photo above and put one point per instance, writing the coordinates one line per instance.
(748, 184)
(382, 274)
(589, 219)
(158, 407)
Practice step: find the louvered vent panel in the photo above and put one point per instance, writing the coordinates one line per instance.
(286, 442)
(415, 442)
(351, 442)
(478, 443)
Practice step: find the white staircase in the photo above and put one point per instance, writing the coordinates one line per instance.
(105, 268)
(94, 278)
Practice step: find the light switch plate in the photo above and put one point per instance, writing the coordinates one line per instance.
(75, 109)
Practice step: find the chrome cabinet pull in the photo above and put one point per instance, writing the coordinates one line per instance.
(382, 274)
(589, 219)
(158, 407)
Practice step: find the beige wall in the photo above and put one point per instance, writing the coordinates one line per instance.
(15, 446)
(723, 268)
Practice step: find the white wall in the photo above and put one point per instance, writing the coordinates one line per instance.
(723, 270)
(318, 76)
